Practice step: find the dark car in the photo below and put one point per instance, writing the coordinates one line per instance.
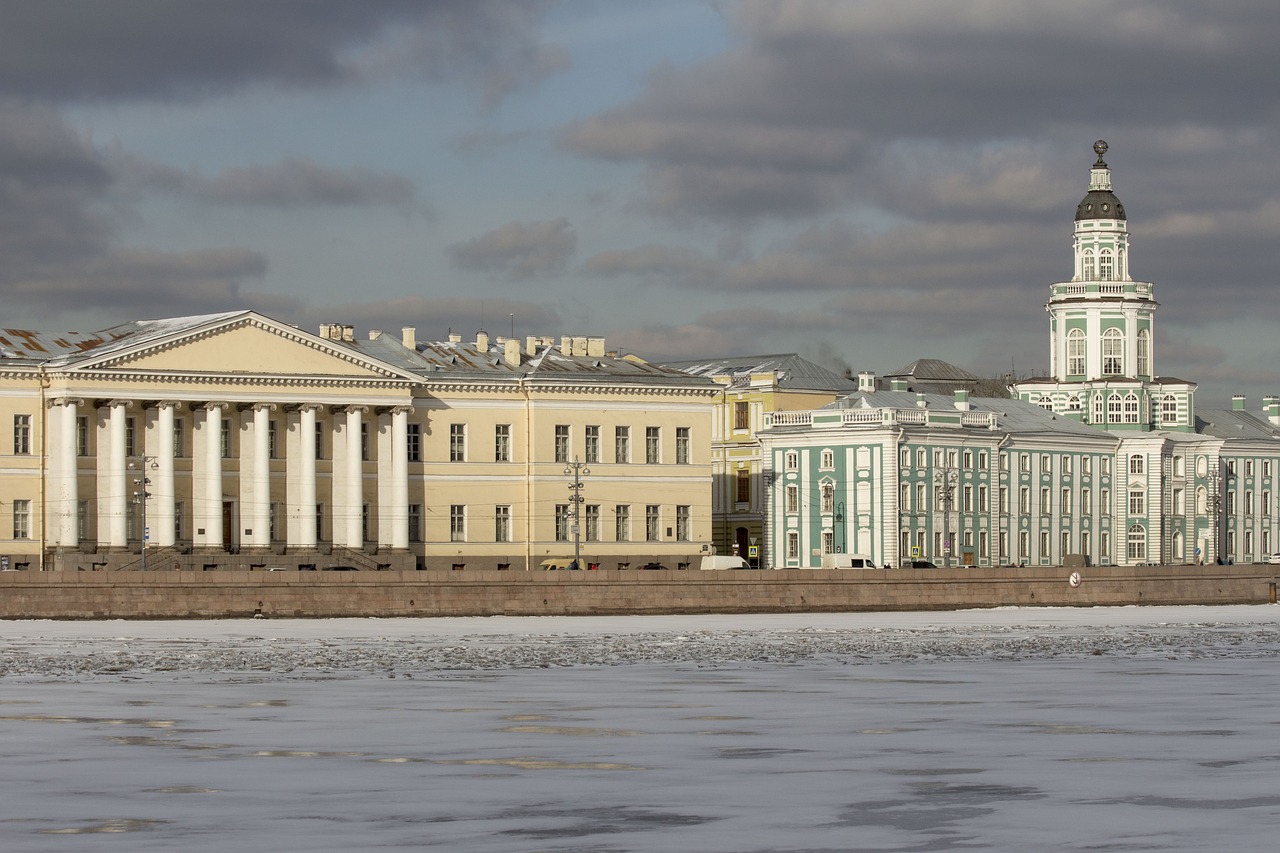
(339, 569)
(650, 567)
(920, 564)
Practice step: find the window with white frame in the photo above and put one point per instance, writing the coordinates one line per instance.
(793, 545)
(792, 461)
(1113, 352)
(1075, 352)
(562, 522)
(457, 523)
(1144, 353)
(1131, 408)
(828, 460)
(457, 442)
(502, 443)
(591, 529)
(683, 445)
(793, 499)
(622, 444)
(591, 445)
(1137, 542)
(828, 498)
(684, 523)
(22, 519)
(562, 443)
(413, 442)
(502, 523)
(1137, 502)
(652, 445)
(622, 522)
(21, 435)
(652, 522)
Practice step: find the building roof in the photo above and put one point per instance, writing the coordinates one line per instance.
(1235, 423)
(793, 372)
(1012, 416)
(27, 346)
(932, 369)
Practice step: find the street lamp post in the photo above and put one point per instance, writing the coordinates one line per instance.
(576, 469)
(844, 536)
(945, 479)
(140, 495)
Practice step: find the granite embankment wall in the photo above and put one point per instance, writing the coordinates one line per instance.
(229, 594)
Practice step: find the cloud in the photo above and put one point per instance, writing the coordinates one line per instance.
(192, 49)
(433, 317)
(290, 183)
(520, 250)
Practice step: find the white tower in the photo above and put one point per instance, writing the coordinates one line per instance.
(1102, 329)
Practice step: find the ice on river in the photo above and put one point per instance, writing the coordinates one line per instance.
(1019, 730)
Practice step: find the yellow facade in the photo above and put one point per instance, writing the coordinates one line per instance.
(234, 441)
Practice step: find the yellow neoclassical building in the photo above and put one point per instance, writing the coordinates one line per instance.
(237, 441)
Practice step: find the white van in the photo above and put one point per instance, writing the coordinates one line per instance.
(847, 561)
(719, 562)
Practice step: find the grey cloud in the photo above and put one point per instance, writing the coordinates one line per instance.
(293, 182)
(521, 250)
(651, 260)
(78, 49)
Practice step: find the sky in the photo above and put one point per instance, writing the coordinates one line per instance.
(863, 183)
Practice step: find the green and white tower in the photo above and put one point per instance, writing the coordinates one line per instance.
(1102, 330)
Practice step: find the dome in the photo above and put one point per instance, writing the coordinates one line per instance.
(1100, 202)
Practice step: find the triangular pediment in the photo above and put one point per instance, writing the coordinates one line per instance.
(248, 345)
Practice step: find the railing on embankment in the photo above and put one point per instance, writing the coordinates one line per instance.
(189, 594)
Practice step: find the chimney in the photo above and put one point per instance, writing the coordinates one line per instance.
(511, 352)
(579, 346)
(962, 399)
(867, 382)
(455, 338)
(374, 334)
(920, 403)
(1237, 403)
(595, 347)
(348, 333)
(1271, 408)
(566, 345)
(408, 337)
(482, 341)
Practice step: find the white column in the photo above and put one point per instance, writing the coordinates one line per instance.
(398, 489)
(66, 464)
(114, 514)
(161, 508)
(354, 492)
(300, 491)
(260, 507)
(212, 517)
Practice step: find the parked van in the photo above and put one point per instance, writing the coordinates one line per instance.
(719, 562)
(847, 561)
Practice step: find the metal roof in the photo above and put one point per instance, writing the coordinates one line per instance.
(934, 369)
(794, 372)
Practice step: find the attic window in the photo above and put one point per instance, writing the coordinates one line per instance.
(597, 363)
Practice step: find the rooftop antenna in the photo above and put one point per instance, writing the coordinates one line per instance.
(482, 315)
(513, 325)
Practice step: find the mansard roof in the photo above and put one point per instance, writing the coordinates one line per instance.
(793, 372)
(1235, 423)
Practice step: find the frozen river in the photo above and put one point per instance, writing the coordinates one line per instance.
(1019, 730)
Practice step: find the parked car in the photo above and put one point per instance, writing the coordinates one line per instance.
(720, 562)
(340, 569)
(1273, 559)
(650, 567)
(920, 564)
(847, 561)
(551, 564)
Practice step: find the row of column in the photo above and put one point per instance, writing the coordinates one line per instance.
(149, 478)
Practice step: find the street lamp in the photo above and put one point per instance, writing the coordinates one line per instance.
(844, 537)
(945, 479)
(140, 495)
(576, 469)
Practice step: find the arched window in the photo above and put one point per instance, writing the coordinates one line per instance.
(1169, 409)
(1144, 353)
(1120, 259)
(1113, 409)
(1073, 403)
(1086, 266)
(1137, 542)
(1104, 265)
(1137, 463)
(1099, 416)
(1131, 408)
(1046, 403)
(1202, 501)
(1075, 352)
(828, 498)
(1113, 352)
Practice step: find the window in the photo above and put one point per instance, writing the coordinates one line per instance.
(273, 436)
(457, 523)
(904, 458)
(22, 435)
(562, 522)
(1064, 505)
(828, 498)
(1003, 497)
(1088, 269)
(1024, 462)
(1137, 503)
(364, 442)
(1104, 501)
(682, 445)
(982, 498)
(792, 462)
(1003, 543)
(1137, 464)
(1113, 352)
(1044, 501)
(1144, 353)
(828, 460)
(1086, 466)
(591, 447)
(1104, 547)
(82, 436)
(319, 522)
(22, 519)
(1114, 409)
(622, 522)
(1075, 352)
(225, 439)
(1086, 501)
(319, 440)
(413, 442)
(592, 532)
(652, 445)
(415, 522)
(1066, 464)
(966, 500)
(1137, 542)
(793, 545)
(457, 442)
(502, 524)
(1106, 465)
(828, 542)
(1179, 498)
(1169, 409)
(1266, 467)
(131, 436)
(1266, 503)
(1248, 467)
(904, 496)
(1024, 500)
(793, 499)
(921, 458)
(651, 520)
(1248, 502)
(683, 527)
(1098, 414)
(921, 503)
(1024, 545)
(1105, 271)
(502, 443)
(622, 444)
(1131, 409)
(1044, 544)
(1046, 463)
(741, 415)
(562, 442)
(744, 486)
(968, 459)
